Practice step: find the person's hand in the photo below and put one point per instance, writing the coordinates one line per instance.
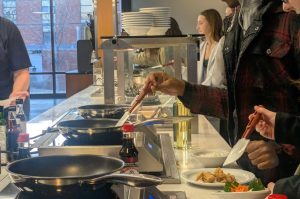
(160, 81)
(18, 95)
(271, 186)
(266, 125)
(262, 154)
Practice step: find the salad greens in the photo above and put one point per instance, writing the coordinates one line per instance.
(254, 185)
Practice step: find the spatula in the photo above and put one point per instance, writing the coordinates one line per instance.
(136, 103)
(167, 120)
(239, 148)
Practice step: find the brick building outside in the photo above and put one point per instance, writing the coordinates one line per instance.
(33, 19)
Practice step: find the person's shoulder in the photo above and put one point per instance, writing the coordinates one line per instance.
(6, 24)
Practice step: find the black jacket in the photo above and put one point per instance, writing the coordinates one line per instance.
(289, 187)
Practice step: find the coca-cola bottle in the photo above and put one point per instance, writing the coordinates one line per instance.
(128, 152)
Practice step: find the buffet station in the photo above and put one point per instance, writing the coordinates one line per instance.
(77, 143)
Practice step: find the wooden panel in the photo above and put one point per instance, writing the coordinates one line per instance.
(77, 82)
(105, 25)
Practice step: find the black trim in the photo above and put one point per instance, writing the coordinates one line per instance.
(52, 48)
(48, 96)
(48, 73)
(155, 36)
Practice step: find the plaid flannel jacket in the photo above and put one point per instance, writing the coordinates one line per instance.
(260, 67)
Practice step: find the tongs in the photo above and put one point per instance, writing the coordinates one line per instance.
(239, 148)
(136, 103)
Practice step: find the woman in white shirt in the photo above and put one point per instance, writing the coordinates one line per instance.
(211, 63)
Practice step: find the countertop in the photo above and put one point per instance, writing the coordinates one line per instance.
(206, 138)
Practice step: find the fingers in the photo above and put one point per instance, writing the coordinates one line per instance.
(262, 161)
(155, 79)
(268, 164)
(266, 125)
(254, 145)
(271, 186)
(162, 82)
(19, 94)
(267, 115)
(262, 154)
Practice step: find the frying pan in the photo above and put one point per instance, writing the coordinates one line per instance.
(68, 173)
(92, 131)
(113, 111)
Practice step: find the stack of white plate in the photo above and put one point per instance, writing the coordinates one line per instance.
(161, 19)
(137, 23)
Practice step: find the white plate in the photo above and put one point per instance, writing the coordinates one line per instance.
(242, 195)
(241, 176)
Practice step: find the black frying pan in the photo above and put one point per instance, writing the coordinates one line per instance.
(113, 111)
(59, 174)
(92, 131)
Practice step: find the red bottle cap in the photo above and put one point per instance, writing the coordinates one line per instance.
(128, 127)
(23, 137)
(277, 196)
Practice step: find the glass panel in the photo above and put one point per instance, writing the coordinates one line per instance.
(41, 84)
(9, 3)
(69, 17)
(46, 9)
(86, 2)
(68, 30)
(9, 10)
(45, 3)
(85, 9)
(61, 83)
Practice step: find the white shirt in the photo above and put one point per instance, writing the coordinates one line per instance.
(215, 74)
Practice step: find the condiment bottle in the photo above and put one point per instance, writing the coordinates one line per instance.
(23, 146)
(21, 115)
(3, 135)
(128, 152)
(182, 131)
(13, 131)
(277, 196)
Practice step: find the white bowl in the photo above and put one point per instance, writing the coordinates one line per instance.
(210, 158)
(137, 30)
(157, 31)
(242, 195)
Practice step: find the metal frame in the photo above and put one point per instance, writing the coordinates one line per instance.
(119, 45)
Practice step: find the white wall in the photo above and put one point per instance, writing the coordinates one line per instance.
(184, 11)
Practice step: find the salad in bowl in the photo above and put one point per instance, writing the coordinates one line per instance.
(253, 190)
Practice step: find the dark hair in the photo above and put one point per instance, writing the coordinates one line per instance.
(174, 29)
(215, 21)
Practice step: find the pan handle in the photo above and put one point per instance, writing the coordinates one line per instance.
(134, 180)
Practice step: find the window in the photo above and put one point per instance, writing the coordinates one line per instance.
(51, 57)
(9, 10)
(86, 8)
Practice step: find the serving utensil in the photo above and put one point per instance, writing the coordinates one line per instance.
(239, 148)
(167, 120)
(136, 103)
